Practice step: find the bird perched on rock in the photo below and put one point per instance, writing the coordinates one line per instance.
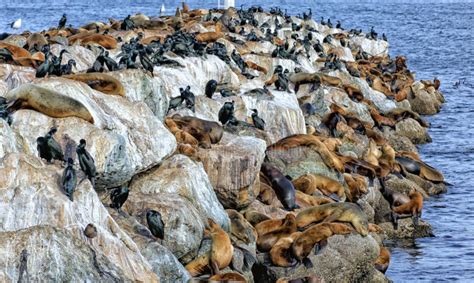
(118, 196)
(211, 87)
(48, 148)
(226, 113)
(155, 223)
(258, 122)
(69, 179)
(62, 22)
(67, 68)
(188, 97)
(90, 231)
(86, 161)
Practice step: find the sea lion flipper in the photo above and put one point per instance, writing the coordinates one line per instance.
(214, 267)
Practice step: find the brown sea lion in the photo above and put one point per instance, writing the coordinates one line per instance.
(302, 78)
(106, 41)
(283, 188)
(206, 132)
(280, 254)
(254, 217)
(101, 82)
(219, 256)
(339, 211)
(227, 278)
(17, 52)
(304, 243)
(187, 150)
(35, 39)
(209, 36)
(309, 183)
(383, 260)
(186, 138)
(267, 194)
(255, 66)
(357, 186)
(329, 158)
(270, 231)
(240, 228)
(46, 101)
(304, 201)
(412, 208)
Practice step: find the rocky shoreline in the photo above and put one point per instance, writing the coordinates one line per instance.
(359, 108)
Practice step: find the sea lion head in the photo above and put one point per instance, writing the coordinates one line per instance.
(361, 225)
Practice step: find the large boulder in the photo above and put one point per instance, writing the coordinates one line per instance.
(233, 168)
(184, 177)
(39, 218)
(343, 259)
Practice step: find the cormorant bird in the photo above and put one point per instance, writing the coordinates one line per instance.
(258, 122)
(338, 25)
(155, 223)
(226, 113)
(55, 148)
(211, 87)
(69, 179)
(329, 24)
(146, 62)
(43, 69)
(118, 196)
(188, 97)
(110, 63)
(86, 161)
(62, 22)
(67, 68)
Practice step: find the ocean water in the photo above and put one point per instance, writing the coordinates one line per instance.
(436, 36)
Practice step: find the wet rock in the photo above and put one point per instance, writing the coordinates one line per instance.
(163, 262)
(183, 227)
(182, 176)
(14, 76)
(423, 102)
(343, 259)
(411, 129)
(233, 167)
(407, 230)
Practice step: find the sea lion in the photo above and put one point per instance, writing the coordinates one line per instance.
(309, 183)
(228, 277)
(270, 231)
(329, 158)
(267, 194)
(280, 254)
(206, 132)
(219, 256)
(357, 186)
(37, 40)
(283, 188)
(304, 201)
(90, 231)
(304, 243)
(101, 82)
(412, 208)
(255, 66)
(210, 36)
(240, 228)
(46, 101)
(69, 180)
(299, 79)
(106, 41)
(187, 150)
(254, 217)
(340, 211)
(16, 51)
(186, 138)
(383, 260)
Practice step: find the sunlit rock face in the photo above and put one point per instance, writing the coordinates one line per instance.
(39, 218)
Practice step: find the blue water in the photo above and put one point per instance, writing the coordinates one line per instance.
(438, 40)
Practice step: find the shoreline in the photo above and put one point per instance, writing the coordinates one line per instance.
(345, 111)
